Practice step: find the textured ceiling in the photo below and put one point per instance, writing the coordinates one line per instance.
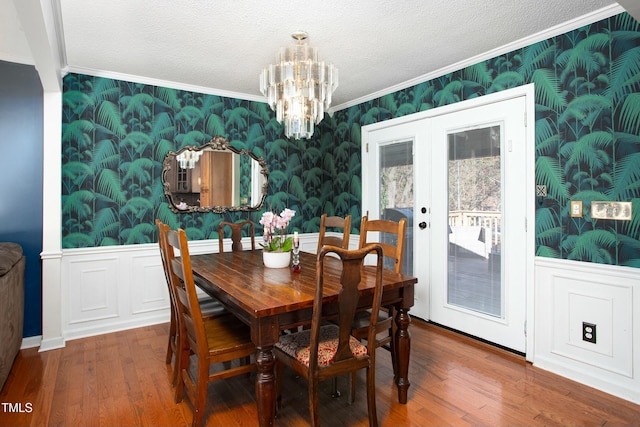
(222, 45)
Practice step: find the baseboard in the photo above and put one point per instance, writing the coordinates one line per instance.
(51, 344)
(94, 330)
(605, 384)
(30, 342)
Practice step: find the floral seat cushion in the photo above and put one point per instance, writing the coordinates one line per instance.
(297, 345)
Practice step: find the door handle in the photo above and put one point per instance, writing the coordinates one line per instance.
(422, 225)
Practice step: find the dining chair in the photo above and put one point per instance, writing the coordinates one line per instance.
(328, 350)
(207, 344)
(333, 222)
(236, 234)
(392, 234)
(393, 237)
(208, 305)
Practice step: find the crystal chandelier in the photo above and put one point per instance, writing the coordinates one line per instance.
(299, 87)
(188, 159)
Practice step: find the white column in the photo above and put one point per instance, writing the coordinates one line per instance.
(52, 320)
(38, 20)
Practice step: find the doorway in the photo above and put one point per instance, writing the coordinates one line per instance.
(463, 177)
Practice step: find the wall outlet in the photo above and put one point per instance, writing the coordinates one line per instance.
(589, 332)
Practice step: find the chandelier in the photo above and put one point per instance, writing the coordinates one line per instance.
(299, 87)
(188, 159)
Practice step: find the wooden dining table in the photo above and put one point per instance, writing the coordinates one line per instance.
(272, 300)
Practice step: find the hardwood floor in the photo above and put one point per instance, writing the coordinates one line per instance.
(121, 379)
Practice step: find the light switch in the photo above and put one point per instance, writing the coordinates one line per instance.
(620, 211)
(576, 208)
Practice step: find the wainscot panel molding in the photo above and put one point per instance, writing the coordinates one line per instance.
(568, 293)
(112, 288)
(107, 289)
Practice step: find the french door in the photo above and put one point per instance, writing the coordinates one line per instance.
(393, 188)
(478, 222)
(460, 175)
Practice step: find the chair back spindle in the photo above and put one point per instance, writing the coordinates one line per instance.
(393, 248)
(334, 222)
(236, 234)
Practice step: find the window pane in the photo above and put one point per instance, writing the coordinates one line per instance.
(475, 205)
(396, 194)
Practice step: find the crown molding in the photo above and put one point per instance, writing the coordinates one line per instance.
(162, 83)
(56, 13)
(565, 27)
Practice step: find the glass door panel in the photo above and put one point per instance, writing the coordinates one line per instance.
(396, 195)
(478, 273)
(475, 205)
(394, 188)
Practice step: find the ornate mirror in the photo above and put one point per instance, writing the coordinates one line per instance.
(215, 177)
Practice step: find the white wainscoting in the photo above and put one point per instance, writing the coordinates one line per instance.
(112, 288)
(568, 293)
(108, 289)
(115, 288)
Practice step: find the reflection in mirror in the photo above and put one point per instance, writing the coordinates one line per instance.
(215, 177)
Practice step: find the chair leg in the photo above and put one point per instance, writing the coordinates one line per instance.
(352, 389)
(393, 344)
(169, 349)
(179, 391)
(394, 361)
(175, 365)
(247, 361)
(175, 362)
(201, 396)
(371, 396)
(173, 330)
(313, 402)
(279, 369)
(335, 393)
(181, 364)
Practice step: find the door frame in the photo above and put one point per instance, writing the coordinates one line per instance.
(528, 91)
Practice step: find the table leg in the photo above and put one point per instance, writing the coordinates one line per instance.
(402, 346)
(265, 386)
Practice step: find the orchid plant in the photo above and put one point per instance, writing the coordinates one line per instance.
(275, 236)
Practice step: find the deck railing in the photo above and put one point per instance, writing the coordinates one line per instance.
(490, 221)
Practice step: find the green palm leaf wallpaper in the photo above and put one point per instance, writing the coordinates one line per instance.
(587, 88)
(116, 134)
(115, 137)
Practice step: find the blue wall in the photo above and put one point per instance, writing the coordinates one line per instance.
(21, 189)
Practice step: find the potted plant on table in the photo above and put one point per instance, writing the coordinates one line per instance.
(276, 249)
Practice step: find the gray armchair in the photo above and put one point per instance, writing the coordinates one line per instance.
(12, 267)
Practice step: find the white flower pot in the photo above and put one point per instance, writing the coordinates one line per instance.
(276, 259)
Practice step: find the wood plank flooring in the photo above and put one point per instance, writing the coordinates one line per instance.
(121, 379)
